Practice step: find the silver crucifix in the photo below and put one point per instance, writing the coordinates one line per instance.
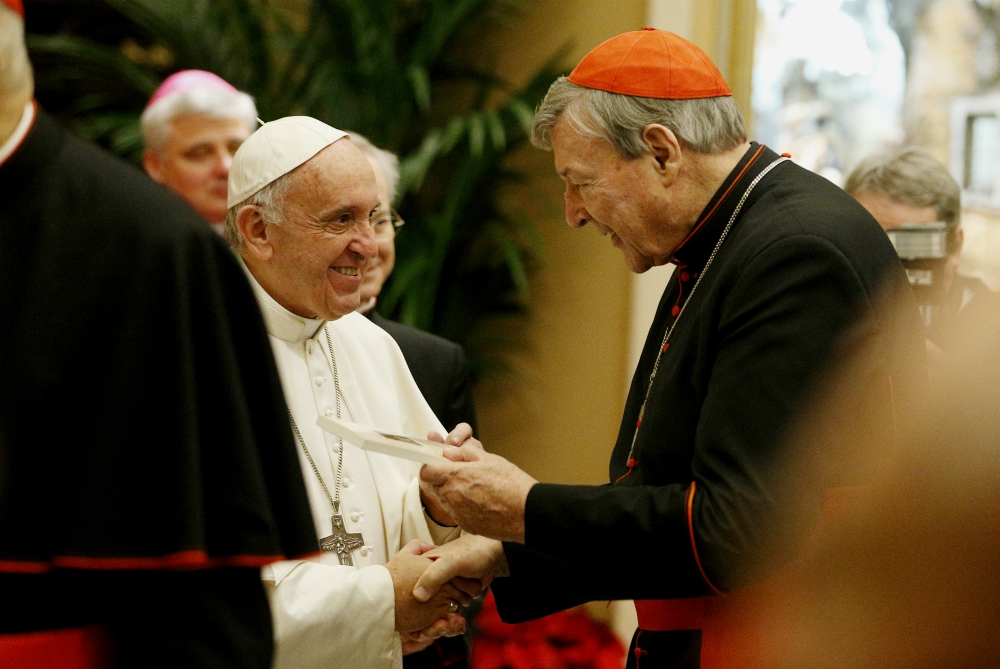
(341, 542)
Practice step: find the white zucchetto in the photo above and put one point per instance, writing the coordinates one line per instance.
(275, 149)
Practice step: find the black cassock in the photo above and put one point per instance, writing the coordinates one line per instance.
(147, 467)
(439, 370)
(797, 285)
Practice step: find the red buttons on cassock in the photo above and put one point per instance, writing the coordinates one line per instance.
(676, 310)
(685, 276)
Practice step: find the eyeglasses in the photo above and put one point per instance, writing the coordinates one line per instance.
(385, 226)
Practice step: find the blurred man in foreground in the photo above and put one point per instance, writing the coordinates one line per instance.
(147, 472)
(778, 278)
(909, 576)
(912, 187)
(192, 126)
(302, 199)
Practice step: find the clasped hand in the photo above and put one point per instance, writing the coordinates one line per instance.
(485, 495)
(428, 579)
(422, 621)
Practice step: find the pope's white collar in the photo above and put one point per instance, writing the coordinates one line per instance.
(281, 322)
(20, 131)
(367, 306)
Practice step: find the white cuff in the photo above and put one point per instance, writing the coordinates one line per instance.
(331, 616)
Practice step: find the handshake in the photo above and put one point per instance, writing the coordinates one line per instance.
(431, 586)
(485, 495)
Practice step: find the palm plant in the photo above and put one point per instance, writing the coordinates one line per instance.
(401, 72)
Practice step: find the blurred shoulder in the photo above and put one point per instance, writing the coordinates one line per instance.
(110, 196)
(408, 336)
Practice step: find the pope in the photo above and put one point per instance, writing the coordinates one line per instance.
(779, 276)
(302, 200)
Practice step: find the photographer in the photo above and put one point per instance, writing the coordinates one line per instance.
(903, 191)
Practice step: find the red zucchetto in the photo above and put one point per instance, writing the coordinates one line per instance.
(15, 6)
(651, 63)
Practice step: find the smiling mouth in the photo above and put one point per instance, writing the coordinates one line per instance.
(347, 271)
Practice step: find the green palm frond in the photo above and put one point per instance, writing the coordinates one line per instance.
(403, 72)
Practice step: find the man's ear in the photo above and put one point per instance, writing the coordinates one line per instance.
(153, 164)
(255, 231)
(665, 148)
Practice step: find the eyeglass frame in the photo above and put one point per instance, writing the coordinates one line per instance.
(394, 218)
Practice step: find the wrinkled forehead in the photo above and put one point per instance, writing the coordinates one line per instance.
(576, 154)
(337, 176)
(564, 147)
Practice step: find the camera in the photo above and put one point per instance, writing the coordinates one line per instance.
(923, 248)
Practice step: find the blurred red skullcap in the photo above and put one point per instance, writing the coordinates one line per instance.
(187, 80)
(651, 63)
(15, 6)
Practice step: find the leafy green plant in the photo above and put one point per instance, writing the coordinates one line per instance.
(406, 73)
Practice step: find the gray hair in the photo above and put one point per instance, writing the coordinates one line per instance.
(911, 176)
(16, 79)
(386, 160)
(705, 125)
(213, 103)
(270, 200)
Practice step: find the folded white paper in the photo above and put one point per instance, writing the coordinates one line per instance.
(370, 439)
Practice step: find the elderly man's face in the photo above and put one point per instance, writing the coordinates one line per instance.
(196, 159)
(319, 250)
(626, 199)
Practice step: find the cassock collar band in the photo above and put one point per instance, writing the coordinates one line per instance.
(281, 322)
(693, 252)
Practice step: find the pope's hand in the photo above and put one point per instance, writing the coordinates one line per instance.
(460, 435)
(469, 557)
(411, 615)
(414, 642)
(484, 493)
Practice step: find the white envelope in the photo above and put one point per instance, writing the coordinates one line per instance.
(411, 448)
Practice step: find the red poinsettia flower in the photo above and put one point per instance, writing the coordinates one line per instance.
(566, 640)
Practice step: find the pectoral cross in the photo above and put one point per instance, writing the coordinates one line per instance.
(341, 542)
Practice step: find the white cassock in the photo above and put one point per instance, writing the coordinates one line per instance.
(326, 614)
